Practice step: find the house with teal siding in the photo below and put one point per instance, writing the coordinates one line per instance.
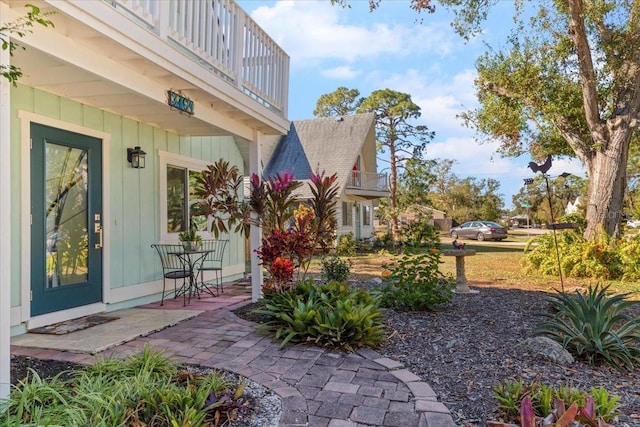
(181, 83)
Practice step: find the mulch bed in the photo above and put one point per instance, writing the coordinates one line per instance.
(468, 347)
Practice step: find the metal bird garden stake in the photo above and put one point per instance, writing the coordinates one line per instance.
(544, 168)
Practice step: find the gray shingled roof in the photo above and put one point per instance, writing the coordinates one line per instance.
(325, 144)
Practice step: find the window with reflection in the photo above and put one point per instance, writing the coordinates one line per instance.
(66, 185)
(182, 203)
(347, 215)
(366, 215)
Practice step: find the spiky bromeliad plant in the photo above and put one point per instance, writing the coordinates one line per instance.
(330, 315)
(547, 401)
(594, 326)
(561, 416)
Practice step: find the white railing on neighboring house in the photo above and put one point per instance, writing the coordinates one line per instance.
(368, 181)
(219, 35)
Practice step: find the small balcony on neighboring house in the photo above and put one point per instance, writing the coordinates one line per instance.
(211, 52)
(367, 185)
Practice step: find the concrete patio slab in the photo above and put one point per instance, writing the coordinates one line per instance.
(132, 323)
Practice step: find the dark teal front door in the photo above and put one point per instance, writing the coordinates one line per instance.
(66, 219)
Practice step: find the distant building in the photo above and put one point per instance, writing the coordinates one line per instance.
(572, 207)
(521, 220)
(436, 217)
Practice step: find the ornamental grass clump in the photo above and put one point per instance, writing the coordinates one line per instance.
(330, 315)
(594, 327)
(602, 258)
(146, 389)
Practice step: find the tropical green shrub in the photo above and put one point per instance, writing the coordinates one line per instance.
(330, 315)
(574, 218)
(382, 240)
(419, 233)
(335, 269)
(629, 254)
(146, 389)
(594, 326)
(414, 283)
(600, 258)
(346, 245)
(544, 398)
(597, 258)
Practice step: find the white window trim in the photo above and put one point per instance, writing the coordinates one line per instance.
(171, 159)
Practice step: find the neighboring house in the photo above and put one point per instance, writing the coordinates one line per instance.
(573, 207)
(187, 82)
(343, 145)
(436, 217)
(521, 220)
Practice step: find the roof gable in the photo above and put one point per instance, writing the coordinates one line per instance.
(328, 144)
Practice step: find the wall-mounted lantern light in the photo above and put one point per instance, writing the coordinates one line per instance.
(135, 156)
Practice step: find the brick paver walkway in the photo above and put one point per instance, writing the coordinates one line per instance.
(318, 387)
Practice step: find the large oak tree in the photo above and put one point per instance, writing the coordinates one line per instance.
(568, 84)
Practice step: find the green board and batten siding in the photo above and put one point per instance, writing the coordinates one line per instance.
(133, 196)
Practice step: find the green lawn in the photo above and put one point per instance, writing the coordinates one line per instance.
(495, 264)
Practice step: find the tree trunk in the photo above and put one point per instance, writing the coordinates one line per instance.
(607, 173)
(393, 176)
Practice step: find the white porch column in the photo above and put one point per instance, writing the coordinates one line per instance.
(256, 232)
(5, 226)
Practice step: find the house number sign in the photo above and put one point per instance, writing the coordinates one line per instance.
(180, 102)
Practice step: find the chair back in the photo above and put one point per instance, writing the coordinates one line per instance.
(217, 247)
(169, 260)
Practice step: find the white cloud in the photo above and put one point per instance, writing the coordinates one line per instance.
(330, 47)
(472, 158)
(313, 31)
(344, 73)
(441, 97)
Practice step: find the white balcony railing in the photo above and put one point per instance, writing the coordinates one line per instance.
(368, 181)
(219, 35)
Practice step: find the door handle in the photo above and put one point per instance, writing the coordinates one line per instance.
(98, 229)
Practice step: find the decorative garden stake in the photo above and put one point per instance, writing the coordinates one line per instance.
(544, 168)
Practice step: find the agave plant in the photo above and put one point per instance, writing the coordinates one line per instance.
(594, 326)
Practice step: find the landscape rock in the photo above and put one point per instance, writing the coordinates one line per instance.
(547, 349)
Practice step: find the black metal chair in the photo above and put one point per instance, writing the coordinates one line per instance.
(212, 262)
(173, 268)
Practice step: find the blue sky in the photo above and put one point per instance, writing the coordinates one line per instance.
(332, 46)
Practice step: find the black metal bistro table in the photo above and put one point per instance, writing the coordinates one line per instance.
(191, 259)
